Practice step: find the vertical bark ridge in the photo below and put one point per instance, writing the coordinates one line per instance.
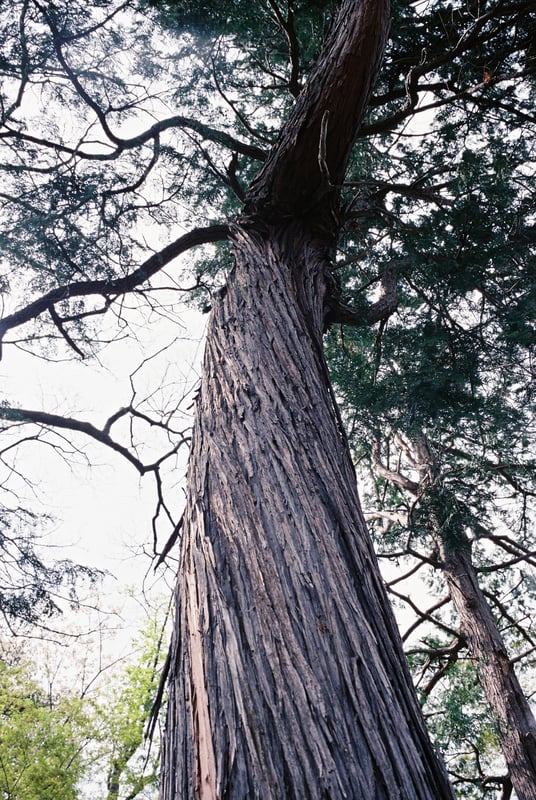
(303, 677)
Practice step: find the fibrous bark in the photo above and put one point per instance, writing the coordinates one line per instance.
(287, 676)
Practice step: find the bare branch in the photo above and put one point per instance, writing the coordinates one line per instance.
(24, 415)
(177, 121)
(58, 322)
(425, 616)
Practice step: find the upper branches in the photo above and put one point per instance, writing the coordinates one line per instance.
(111, 288)
(43, 69)
(477, 54)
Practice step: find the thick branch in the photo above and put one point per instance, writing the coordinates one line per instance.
(379, 311)
(112, 287)
(469, 93)
(393, 476)
(177, 121)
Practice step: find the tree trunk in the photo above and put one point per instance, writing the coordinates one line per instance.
(287, 676)
(516, 726)
(515, 720)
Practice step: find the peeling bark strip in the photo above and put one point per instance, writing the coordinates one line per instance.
(206, 778)
(287, 678)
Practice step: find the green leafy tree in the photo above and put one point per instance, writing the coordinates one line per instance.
(78, 730)
(441, 404)
(40, 741)
(286, 673)
(123, 708)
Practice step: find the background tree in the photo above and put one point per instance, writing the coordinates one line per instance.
(74, 191)
(441, 403)
(41, 752)
(74, 716)
(123, 710)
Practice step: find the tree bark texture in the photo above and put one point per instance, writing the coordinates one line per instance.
(287, 676)
(516, 726)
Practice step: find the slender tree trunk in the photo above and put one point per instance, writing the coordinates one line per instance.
(287, 676)
(516, 726)
(515, 720)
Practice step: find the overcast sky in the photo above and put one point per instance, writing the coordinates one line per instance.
(103, 511)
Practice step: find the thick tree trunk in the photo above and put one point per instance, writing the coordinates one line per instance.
(516, 725)
(288, 678)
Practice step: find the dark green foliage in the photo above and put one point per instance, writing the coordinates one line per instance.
(458, 46)
(32, 587)
(248, 23)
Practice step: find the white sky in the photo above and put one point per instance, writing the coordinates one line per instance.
(103, 511)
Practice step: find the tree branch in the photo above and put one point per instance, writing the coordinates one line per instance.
(24, 415)
(379, 311)
(177, 121)
(394, 477)
(113, 287)
(287, 26)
